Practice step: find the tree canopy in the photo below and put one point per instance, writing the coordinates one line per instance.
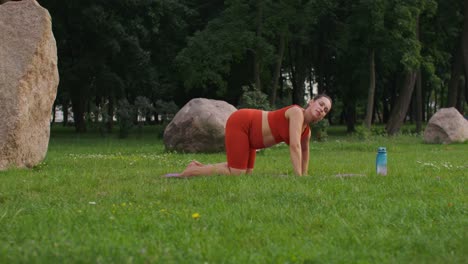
(381, 61)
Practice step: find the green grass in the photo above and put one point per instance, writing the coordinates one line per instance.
(101, 199)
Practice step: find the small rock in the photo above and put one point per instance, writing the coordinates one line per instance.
(446, 126)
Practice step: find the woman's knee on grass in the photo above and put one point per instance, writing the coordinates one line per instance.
(212, 169)
(233, 171)
(226, 170)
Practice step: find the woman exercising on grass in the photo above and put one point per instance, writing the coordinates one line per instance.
(250, 129)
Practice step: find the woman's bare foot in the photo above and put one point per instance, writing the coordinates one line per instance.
(191, 168)
(194, 163)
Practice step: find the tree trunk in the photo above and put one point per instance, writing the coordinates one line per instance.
(257, 56)
(350, 116)
(442, 98)
(419, 104)
(424, 102)
(466, 90)
(371, 91)
(427, 99)
(399, 110)
(298, 90)
(311, 83)
(301, 74)
(320, 69)
(412, 107)
(388, 97)
(277, 73)
(110, 115)
(465, 47)
(385, 108)
(298, 74)
(54, 108)
(65, 112)
(78, 106)
(461, 95)
(454, 77)
(418, 95)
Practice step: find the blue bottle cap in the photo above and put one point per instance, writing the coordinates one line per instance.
(382, 149)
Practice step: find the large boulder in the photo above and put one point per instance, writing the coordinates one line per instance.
(198, 126)
(446, 126)
(28, 82)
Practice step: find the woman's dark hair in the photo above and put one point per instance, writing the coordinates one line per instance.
(318, 96)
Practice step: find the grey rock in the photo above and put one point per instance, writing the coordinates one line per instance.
(446, 126)
(198, 126)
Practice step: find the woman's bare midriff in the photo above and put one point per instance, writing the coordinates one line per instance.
(268, 139)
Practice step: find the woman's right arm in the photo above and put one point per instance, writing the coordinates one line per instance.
(305, 153)
(296, 120)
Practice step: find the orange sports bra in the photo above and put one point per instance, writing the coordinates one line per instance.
(279, 125)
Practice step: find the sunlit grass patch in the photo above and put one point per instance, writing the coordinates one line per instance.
(98, 199)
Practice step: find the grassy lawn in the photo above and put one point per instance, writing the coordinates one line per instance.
(101, 200)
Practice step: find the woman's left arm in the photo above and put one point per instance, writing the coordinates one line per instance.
(305, 153)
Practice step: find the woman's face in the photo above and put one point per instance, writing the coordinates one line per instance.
(319, 108)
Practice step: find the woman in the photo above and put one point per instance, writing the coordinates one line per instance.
(250, 129)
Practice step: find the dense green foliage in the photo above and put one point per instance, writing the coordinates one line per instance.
(174, 50)
(102, 200)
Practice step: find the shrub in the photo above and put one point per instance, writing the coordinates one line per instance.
(319, 130)
(363, 133)
(166, 109)
(253, 98)
(125, 114)
(144, 109)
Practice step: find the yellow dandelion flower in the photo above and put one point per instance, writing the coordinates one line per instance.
(195, 215)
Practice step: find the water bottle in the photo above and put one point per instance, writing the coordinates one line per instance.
(381, 161)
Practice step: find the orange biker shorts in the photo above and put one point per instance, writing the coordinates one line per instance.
(243, 136)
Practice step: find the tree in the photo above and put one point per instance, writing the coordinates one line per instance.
(207, 60)
(465, 48)
(261, 34)
(371, 92)
(367, 26)
(112, 50)
(457, 69)
(407, 20)
(355, 51)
